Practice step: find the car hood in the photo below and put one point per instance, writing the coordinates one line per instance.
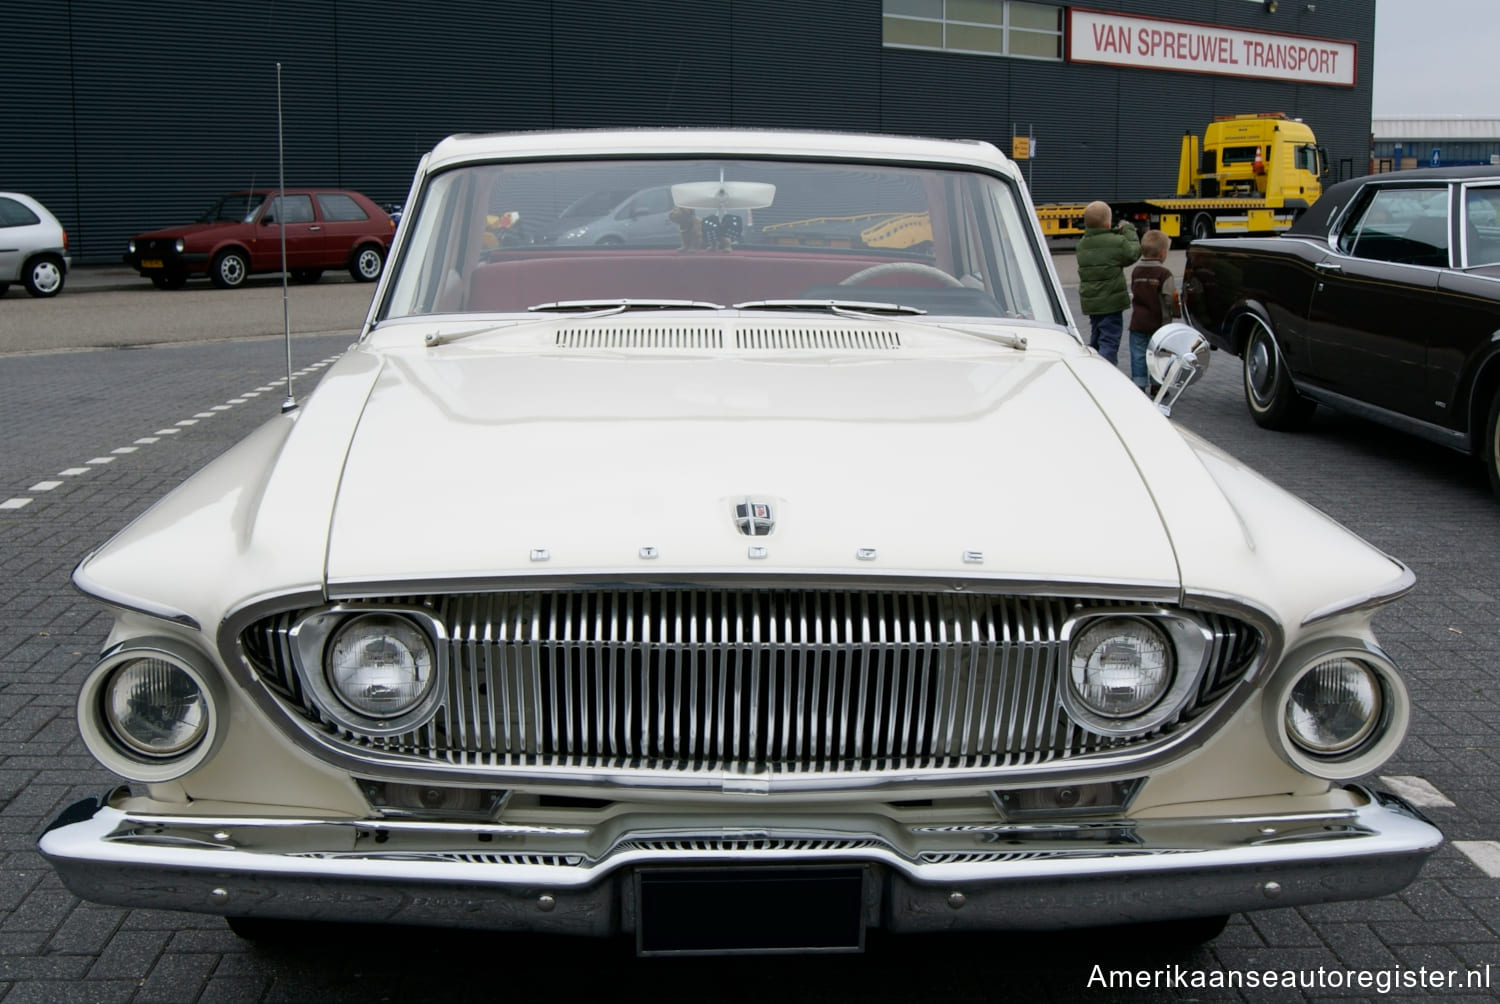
(189, 230)
(465, 465)
(579, 463)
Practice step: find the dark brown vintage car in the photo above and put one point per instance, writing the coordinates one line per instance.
(1383, 301)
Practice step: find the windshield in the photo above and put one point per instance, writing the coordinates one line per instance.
(506, 238)
(236, 207)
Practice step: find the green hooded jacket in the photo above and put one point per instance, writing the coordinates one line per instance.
(1103, 256)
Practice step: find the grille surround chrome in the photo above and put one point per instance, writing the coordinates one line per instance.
(497, 722)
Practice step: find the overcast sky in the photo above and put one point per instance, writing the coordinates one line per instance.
(1436, 57)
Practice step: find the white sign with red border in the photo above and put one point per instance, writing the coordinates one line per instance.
(1187, 47)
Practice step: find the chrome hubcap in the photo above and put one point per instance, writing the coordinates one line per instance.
(1259, 368)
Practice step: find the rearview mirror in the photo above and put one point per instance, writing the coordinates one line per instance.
(1176, 356)
(721, 195)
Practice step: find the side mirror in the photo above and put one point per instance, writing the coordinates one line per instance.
(1176, 356)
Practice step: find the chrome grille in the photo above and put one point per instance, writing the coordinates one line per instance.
(782, 681)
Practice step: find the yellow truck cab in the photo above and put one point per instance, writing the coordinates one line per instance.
(1265, 155)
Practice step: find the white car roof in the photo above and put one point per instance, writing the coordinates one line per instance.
(718, 142)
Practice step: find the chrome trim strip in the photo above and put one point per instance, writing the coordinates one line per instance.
(1393, 590)
(86, 585)
(959, 579)
(1453, 439)
(1043, 875)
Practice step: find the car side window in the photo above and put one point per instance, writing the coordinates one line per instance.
(1482, 226)
(14, 214)
(337, 207)
(298, 210)
(1405, 225)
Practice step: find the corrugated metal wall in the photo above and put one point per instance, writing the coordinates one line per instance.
(137, 116)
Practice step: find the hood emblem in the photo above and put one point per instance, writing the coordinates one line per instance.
(755, 519)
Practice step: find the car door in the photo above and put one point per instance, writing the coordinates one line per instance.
(1370, 315)
(341, 222)
(1464, 327)
(302, 235)
(18, 230)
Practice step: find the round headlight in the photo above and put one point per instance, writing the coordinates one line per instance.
(1333, 707)
(154, 708)
(380, 665)
(131, 246)
(180, 245)
(1121, 666)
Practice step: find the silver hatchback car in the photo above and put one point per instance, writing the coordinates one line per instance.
(33, 246)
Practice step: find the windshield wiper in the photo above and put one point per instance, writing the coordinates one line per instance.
(844, 308)
(607, 307)
(581, 308)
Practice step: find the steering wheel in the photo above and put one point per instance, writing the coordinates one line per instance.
(896, 267)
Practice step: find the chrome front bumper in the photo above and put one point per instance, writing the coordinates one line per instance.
(916, 878)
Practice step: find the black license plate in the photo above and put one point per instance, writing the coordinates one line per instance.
(727, 911)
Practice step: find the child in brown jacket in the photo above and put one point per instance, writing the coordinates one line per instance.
(1153, 301)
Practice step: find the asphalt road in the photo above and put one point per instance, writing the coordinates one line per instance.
(93, 436)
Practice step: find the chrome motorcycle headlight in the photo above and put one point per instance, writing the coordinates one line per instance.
(1121, 666)
(380, 665)
(1334, 706)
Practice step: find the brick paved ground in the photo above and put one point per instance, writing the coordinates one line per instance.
(1425, 505)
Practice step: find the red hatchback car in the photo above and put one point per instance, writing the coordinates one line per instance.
(241, 235)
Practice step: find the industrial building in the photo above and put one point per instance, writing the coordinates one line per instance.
(1399, 144)
(126, 117)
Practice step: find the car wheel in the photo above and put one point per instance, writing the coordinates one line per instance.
(171, 281)
(3, 287)
(366, 263)
(1274, 403)
(1492, 443)
(44, 275)
(229, 269)
(1203, 226)
(306, 275)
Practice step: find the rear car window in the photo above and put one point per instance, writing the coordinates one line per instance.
(340, 208)
(14, 214)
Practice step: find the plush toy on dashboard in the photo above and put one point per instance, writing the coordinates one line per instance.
(692, 228)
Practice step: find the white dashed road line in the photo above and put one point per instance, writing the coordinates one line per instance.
(119, 451)
(1417, 790)
(1484, 853)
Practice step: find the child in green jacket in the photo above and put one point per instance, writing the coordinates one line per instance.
(1103, 254)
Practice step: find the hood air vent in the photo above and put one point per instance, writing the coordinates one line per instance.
(854, 339)
(640, 337)
(750, 339)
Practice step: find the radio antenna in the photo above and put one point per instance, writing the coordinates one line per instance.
(286, 310)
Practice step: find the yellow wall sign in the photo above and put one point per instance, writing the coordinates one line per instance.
(1020, 147)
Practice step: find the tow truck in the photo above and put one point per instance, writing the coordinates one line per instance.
(1251, 174)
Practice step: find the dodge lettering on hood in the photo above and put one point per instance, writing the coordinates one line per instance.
(739, 595)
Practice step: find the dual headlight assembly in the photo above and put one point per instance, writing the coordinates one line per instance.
(1332, 711)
